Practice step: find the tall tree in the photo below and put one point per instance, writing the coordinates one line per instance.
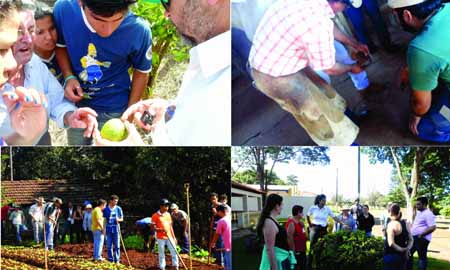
(261, 158)
(415, 167)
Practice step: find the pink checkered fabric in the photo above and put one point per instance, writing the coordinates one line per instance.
(294, 34)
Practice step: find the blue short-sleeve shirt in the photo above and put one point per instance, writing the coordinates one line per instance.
(111, 216)
(102, 64)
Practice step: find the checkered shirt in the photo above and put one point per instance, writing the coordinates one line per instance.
(294, 34)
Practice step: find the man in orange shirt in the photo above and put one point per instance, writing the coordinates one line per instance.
(162, 223)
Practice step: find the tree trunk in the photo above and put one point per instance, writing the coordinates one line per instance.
(259, 155)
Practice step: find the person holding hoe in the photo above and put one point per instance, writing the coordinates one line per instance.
(52, 212)
(162, 223)
(113, 214)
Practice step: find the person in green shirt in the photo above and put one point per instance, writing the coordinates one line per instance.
(428, 61)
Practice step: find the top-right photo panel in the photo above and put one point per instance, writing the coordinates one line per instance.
(340, 72)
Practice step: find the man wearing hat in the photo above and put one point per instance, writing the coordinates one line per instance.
(180, 227)
(347, 222)
(428, 60)
(113, 215)
(52, 212)
(162, 222)
(37, 219)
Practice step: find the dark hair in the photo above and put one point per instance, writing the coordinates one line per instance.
(366, 206)
(213, 195)
(107, 8)
(42, 11)
(297, 209)
(319, 198)
(113, 197)
(395, 209)
(271, 201)
(223, 197)
(221, 208)
(423, 200)
(421, 10)
(7, 7)
(101, 201)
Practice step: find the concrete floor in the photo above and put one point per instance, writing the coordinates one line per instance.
(257, 120)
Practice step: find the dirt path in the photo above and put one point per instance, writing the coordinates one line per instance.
(139, 260)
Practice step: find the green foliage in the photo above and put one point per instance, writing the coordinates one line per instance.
(198, 252)
(166, 40)
(445, 211)
(134, 242)
(140, 176)
(349, 250)
(249, 177)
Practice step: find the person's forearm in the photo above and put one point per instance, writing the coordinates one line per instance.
(138, 85)
(429, 230)
(308, 220)
(62, 57)
(338, 69)
(213, 242)
(272, 258)
(17, 139)
(340, 36)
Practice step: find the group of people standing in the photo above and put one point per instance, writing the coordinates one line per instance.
(285, 246)
(402, 239)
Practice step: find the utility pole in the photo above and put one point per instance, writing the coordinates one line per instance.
(337, 181)
(359, 173)
(11, 163)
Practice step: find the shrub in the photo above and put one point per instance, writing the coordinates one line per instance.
(445, 211)
(347, 250)
(134, 242)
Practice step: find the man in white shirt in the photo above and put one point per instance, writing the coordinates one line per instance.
(32, 73)
(37, 219)
(202, 114)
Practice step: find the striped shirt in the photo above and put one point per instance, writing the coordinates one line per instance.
(294, 34)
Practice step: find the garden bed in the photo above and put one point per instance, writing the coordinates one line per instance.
(139, 260)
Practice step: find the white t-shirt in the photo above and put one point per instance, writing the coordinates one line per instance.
(320, 215)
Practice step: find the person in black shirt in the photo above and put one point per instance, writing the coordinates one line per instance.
(366, 221)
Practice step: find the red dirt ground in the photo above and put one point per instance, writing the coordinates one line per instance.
(139, 260)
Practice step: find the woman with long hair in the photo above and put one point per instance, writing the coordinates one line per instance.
(319, 222)
(398, 241)
(276, 254)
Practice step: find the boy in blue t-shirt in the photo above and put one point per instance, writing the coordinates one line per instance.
(98, 42)
(113, 215)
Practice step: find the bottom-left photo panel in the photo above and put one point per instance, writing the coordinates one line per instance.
(107, 208)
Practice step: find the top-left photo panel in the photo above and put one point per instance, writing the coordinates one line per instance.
(115, 73)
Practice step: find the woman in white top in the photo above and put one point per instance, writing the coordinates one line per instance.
(318, 224)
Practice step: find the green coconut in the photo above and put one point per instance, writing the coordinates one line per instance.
(114, 130)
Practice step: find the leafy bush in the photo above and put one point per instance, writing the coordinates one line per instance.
(134, 242)
(347, 250)
(445, 211)
(165, 38)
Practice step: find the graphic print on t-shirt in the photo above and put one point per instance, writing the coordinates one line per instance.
(92, 72)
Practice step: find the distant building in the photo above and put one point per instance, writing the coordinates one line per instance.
(247, 205)
(286, 190)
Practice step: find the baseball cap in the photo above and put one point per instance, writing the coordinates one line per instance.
(403, 3)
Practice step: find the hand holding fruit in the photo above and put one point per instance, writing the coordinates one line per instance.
(117, 133)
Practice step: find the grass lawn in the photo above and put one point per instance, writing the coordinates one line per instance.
(243, 260)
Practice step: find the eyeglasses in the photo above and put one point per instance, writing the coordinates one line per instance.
(166, 4)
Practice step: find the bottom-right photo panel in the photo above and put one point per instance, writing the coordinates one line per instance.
(368, 208)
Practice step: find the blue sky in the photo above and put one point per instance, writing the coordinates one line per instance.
(322, 179)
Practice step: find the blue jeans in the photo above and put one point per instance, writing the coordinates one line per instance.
(75, 135)
(355, 15)
(162, 243)
(38, 231)
(434, 126)
(113, 246)
(98, 244)
(18, 235)
(49, 230)
(421, 246)
(227, 260)
(394, 262)
(218, 255)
